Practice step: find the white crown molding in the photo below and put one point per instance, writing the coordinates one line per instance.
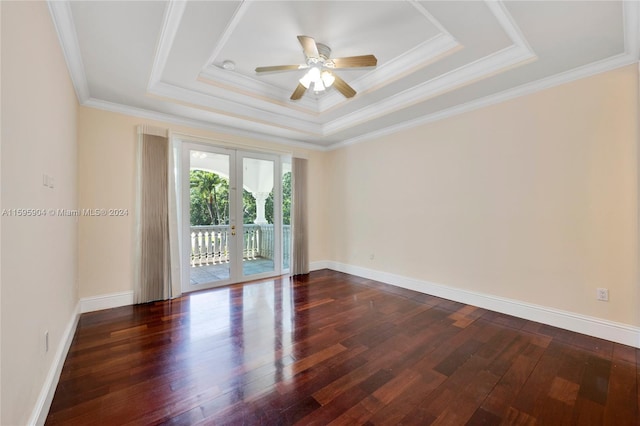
(424, 12)
(45, 397)
(170, 25)
(505, 59)
(525, 89)
(407, 63)
(240, 83)
(517, 54)
(631, 19)
(474, 71)
(242, 86)
(197, 124)
(631, 10)
(65, 28)
(591, 326)
(233, 23)
(508, 24)
(228, 112)
(499, 61)
(263, 129)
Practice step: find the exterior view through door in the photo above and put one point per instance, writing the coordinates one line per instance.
(236, 215)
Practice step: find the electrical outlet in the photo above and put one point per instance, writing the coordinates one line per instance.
(372, 256)
(603, 294)
(46, 341)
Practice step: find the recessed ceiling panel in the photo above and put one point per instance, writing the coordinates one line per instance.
(201, 27)
(163, 59)
(573, 32)
(117, 42)
(266, 34)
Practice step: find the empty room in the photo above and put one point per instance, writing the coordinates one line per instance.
(319, 212)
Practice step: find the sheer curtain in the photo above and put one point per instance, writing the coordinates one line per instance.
(156, 254)
(300, 254)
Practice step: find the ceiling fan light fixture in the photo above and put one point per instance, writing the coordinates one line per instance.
(312, 76)
(320, 69)
(318, 86)
(305, 80)
(314, 73)
(327, 78)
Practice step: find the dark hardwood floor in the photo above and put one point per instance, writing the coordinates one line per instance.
(331, 348)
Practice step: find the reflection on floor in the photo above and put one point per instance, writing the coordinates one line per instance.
(211, 273)
(331, 348)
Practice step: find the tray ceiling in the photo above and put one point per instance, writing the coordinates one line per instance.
(435, 59)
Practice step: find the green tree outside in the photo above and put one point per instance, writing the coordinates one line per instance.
(286, 201)
(209, 195)
(209, 198)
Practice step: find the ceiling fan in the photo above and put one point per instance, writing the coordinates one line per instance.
(321, 67)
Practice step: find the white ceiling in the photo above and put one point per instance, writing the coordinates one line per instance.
(435, 59)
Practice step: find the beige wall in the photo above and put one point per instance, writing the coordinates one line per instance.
(534, 199)
(106, 161)
(0, 210)
(39, 258)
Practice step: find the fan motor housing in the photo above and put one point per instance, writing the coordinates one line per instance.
(324, 51)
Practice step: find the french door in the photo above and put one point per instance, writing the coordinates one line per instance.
(232, 216)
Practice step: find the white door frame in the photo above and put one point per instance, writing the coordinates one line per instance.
(277, 213)
(236, 157)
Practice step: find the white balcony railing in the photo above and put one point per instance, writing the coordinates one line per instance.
(210, 243)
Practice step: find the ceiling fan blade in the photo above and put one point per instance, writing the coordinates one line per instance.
(343, 87)
(309, 46)
(297, 94)
(280, 68)
(355, 61)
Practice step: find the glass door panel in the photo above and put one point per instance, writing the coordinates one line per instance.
(260, 238)
(286, 215)
(232, 216)
(211, 247)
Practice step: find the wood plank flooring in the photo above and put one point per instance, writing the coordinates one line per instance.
(330, 348)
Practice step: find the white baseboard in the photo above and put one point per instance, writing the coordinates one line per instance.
(592, 326)
(106, 301)
(320, 264)
(89, 304)
(41, 410)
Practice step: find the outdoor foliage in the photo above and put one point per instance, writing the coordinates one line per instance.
(209, 194)
(286, 200)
